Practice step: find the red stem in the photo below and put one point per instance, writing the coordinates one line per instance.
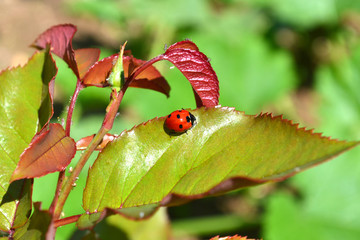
(79, 87)
(144, 66)
(57, 205)
(107, 125)
(113, 108)
(65, 221)
(61, 177)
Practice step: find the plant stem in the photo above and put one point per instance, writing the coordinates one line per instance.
(61, 177)
(79, 87)
(65, 221)
(144, 66)
(68, 185)
(112, 109)
(106, 126)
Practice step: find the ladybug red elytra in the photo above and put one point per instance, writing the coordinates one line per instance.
(180, 121)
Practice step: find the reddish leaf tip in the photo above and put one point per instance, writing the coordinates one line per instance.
(49, 30)
(296, 126)
(186, 44)
(59, 38)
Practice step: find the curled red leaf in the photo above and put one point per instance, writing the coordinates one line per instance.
(60, 37)
(197, 69)
(184, 45)
(49, 151)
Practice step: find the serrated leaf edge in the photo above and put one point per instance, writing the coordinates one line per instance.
(253, 181)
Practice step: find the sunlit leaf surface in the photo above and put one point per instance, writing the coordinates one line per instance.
(23, 92)
(226, 150)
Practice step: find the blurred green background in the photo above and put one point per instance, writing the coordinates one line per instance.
(299, 58)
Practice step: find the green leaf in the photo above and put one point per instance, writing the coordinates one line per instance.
(16, 205)
(138, 213)
(24, 91)
(36, 228)
(88, 221)
(156, 227)
(226, 150)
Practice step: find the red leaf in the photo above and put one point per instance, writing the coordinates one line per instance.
(83, 143)
(60, 37)
(196, 68)
(150, 78)
(184, 45)
(49, 151)
(85, 58)
(99, 72)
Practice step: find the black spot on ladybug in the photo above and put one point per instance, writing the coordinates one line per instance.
(180, 126)
(169, 116)
(188, 118)
(178, 116)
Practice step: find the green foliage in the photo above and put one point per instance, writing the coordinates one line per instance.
(194, 164)
(37, 225)
(31, 85)
(255, 48)
(157, 226)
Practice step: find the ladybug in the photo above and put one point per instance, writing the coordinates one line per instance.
(180, 121)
